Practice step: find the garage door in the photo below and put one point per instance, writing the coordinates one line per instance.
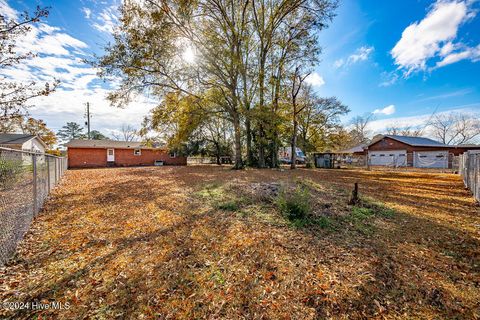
(393, 158)
(430, 159)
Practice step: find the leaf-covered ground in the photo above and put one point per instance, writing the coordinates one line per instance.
(196, 242)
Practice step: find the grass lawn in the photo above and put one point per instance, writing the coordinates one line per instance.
(209, 242)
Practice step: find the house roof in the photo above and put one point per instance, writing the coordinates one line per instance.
(17, 138)
(360, 148)
(102, 144)
(412, 141)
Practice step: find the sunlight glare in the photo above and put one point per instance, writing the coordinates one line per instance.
(189, 55)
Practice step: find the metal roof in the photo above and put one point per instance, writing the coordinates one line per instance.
(103, 144)
(356, 149)
(413, 141)
(15, 138)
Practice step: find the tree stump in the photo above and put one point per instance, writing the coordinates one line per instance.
(354, 199)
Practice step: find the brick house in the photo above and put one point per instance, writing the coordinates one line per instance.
(108, 153)
(418, 152)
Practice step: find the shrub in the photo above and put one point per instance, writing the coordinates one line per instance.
(228, 206)
(10, 171)
(295, 205)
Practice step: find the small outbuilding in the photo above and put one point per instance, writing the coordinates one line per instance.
(109, 153)
(24, 142)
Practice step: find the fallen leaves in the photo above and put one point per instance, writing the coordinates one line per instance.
(151, 243)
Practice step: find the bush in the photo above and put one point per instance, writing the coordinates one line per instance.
(295, 205)
(10, 170)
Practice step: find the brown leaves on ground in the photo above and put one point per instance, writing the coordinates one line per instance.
(155, 243)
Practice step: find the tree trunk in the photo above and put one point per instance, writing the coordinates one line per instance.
(248, 130)
(217, 154)
(261, 98)
(293, 165)
(238, 142)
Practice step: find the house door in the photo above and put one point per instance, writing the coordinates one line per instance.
(110, 155)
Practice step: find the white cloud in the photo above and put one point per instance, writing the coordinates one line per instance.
(315, 79)
(87, 12)
(338, 63)
(107, 20)
(388, 110)
(60, 56)
(432, 37)
(361, 54)
(7, 11)
(467, 53)
(388, 79)
(418, 121)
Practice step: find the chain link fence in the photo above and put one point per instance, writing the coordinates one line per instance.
(26, 179)
(470, 171)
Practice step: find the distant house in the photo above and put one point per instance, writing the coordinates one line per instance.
(418, 152)
(25, 142)
(108, 153)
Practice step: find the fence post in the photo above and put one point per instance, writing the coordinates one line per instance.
(55, 170)
(34, 164)
(47, 159)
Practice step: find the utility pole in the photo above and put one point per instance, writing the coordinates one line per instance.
(88, 120)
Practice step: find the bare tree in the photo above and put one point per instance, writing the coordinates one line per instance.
(405, 131)
(455, 128)
(360, 130)
(127, 133)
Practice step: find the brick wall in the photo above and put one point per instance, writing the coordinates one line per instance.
(87, 158)
(126, 157)
(92, 157)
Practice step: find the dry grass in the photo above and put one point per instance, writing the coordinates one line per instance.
(192, 242)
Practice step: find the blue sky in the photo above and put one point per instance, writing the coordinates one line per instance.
(401, 60)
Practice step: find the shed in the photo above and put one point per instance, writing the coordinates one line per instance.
(324, 160)
(109, 153)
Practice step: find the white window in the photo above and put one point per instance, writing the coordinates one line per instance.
(137, 152)
(172, 155)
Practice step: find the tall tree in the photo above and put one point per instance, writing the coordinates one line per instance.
(319, 123)
(14, 96)
(70, 131)
(229, 39)
(297, 83)
(97, 135)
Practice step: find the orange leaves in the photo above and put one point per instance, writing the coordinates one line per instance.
(140, 243)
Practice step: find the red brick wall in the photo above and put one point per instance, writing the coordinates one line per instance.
(91, 158)
(87, 158)
(125, 157)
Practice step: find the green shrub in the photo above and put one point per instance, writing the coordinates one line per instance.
(295, 205)
(10, 171)
(228, 206)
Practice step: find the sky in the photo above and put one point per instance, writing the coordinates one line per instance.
(401, 61)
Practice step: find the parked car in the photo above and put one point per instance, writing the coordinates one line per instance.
(285, 155)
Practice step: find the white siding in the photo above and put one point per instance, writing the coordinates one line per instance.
(394, 158)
